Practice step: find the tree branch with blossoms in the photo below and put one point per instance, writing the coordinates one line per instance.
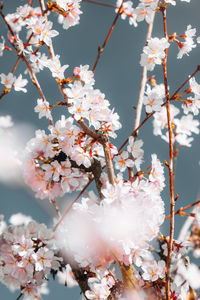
(115, 223)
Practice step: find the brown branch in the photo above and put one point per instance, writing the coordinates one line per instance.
(88, 131)
(81, 277)
(100, 3)
(7, 24)
(96, 170)
(101, 49)
(134, 133)
(108, 158)
(170, 165)
(179, 211)
(16, 64)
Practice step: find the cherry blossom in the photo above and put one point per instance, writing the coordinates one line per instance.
(153, 270)
(188, 44)
(193, 104)
(72, 13)
(7, 80)
(154, 98)
(55, 67)
(122, 161)
(153, 53)
(20, 83)
(43, 109)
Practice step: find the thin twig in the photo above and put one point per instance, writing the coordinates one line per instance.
(71, 205)
(100, 49)
(179, 211)
(185, 82)
(16, 64)
(170, 165)
(53, 201)
(100, 3)
(34, 78)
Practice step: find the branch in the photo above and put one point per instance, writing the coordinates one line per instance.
(143, 79)
(100, 49)
(134, 133)
(88, 131)
(106, 147)
(71, 205)
(170, 165)
(100, 3)
(179, 211)
(141, 92)
(185, 82)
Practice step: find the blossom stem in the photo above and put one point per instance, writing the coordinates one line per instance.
(101, 49)
(170, 166)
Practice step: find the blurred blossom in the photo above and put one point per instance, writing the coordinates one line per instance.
(20, 219)
(13, 138)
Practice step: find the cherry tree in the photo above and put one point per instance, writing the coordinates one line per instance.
(109, 239)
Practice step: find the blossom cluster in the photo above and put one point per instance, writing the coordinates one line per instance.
(97, 234)
(10, 81)
(58, 163)
(183, 127)
(90, 104)
(142, 12)
(47, 166)
(26, 256)
(26, 15)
